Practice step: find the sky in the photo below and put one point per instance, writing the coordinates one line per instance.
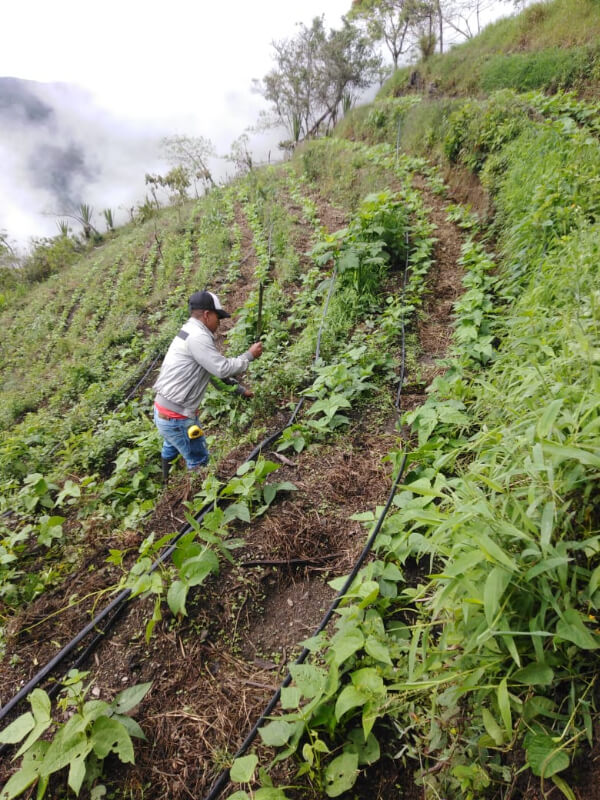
(143, 59)
(133, 71)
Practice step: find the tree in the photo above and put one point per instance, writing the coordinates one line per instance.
(401, 24)
(240, 154)
(464, 16)
(314, 72)
(390, 21)
(177, 180)
(191, 153)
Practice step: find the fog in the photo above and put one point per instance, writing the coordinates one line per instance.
(89, 94)
(59, 149)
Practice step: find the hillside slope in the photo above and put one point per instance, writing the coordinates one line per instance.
(461, 663)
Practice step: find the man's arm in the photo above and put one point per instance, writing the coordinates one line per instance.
(205, 353)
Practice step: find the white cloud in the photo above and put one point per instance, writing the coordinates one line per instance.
(136, 70)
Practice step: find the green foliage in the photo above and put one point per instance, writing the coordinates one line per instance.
(314, 72)
(197, 553)
(543, 69)
(49, 257)
(363, 252)
(476, 130)
(94, 729)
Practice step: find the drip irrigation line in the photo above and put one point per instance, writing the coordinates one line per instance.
(325, 309)
(117, 604)
(142, 379)
(223, 778)
(403, 328)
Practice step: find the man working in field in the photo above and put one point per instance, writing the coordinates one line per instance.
(192, 360)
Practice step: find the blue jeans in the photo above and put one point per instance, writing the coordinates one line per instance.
(176, 441)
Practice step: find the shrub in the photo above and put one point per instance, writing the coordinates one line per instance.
(49, 256)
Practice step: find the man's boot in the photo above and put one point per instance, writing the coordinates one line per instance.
(166, 468)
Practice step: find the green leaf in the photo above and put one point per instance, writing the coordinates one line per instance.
(76, 773)
(572, 628)
(109, 736)
(269, 493)
(239, 796)
(494, 552)
(243, 768)
(493, 729)
(546, 421)
(495, 586)
(564, 787)
(534, 675)
(18, 783)
(269, 793)
(547, 524)
(368, 751)
(285, 486)
(64, 749)
(341, 774)
(311, 680)
(195, 570)
(368, 680)
(594, 581)
(539, 706)
(368, 591)
(237, 511)
(345, 643)
(504, 706)
(18, 729)
(132, 727)
(378, 650)
(41, 706)
(350, 697)
(546, 565)
(131, 697)
(566, 453)
(544, 758)
(176, 597)
(290, 697)
(278, 732)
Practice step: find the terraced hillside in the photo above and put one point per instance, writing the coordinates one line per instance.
(430, 288)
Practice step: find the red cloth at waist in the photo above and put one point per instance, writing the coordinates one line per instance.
(168, 413)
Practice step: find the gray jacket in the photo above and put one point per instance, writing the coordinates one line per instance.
(191, 361)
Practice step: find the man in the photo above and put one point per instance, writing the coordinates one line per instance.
(192, 360)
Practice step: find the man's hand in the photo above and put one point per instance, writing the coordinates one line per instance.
(248, 393)
(256, 349)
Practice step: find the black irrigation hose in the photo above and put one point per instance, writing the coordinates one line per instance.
(143, 378)
(223, 778)
(118, 604)
(402, 325)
